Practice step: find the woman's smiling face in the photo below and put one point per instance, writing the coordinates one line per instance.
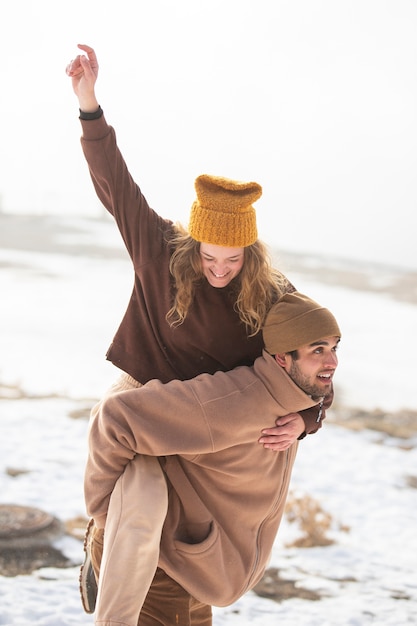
(220, 264)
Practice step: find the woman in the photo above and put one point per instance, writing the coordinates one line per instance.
(198, 304)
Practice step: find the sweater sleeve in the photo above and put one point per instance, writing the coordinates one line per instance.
(140, 226)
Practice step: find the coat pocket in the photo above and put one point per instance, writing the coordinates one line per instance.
(197, 539)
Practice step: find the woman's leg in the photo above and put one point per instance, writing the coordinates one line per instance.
(95, 536)
(136, 514)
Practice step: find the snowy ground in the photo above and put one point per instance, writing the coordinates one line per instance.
(58, 313)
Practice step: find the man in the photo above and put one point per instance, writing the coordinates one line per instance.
(226, 494)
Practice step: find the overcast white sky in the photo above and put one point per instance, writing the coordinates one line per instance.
(314, 99)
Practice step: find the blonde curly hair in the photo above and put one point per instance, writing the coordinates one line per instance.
(259, 284)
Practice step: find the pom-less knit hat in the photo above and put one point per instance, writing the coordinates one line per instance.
(295, 321)
(223, 214)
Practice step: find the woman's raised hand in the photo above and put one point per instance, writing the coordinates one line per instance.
(83, 71)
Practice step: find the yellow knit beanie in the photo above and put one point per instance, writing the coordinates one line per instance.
(295, 321)
(223, 214)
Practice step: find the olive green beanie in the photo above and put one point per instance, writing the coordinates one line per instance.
(223, 214)
(295, 321)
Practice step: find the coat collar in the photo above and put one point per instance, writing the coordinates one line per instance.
(281, 387)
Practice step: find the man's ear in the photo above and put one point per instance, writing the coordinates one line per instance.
(280, 359)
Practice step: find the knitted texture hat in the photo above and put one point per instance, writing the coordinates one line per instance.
(223, 214)
(295, 321)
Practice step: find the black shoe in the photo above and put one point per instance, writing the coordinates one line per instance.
(88, 583)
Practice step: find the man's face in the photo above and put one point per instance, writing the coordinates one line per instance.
(314, 367)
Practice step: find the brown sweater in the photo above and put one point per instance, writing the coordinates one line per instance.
(212, 337)
(226, 492)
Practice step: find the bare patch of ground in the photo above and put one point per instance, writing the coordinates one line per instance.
(26, 538)
(273, 587)
(399, 424)
(15, 562)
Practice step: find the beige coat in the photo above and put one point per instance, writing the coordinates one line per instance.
(226, 492)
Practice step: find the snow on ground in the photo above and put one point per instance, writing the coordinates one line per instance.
(58, 315)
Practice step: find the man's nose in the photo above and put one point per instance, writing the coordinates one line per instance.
(332, 360)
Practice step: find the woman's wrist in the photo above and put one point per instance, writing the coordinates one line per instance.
(88, 104)
(91, 115)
